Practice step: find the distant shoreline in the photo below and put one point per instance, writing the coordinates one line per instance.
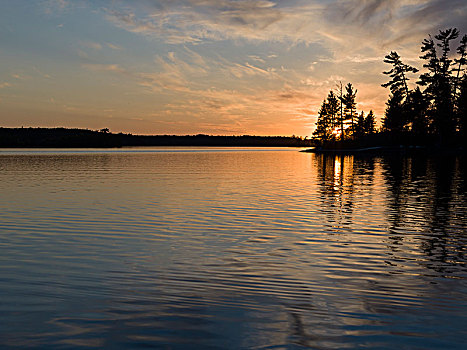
(83, 138)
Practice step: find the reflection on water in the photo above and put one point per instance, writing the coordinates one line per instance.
(226, 249)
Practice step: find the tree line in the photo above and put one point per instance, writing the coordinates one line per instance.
(77, 138)
(338, 118)
(435, 111)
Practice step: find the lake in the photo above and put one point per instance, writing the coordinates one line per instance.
(201, 248)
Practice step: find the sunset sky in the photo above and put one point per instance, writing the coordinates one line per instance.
(202, 66)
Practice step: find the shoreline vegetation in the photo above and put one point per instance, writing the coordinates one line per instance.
(432, 116)
(84, 138)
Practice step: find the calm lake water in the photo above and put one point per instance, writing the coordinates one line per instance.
(231, 249)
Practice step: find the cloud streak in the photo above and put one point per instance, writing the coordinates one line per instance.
(193, 21)
(335, 21)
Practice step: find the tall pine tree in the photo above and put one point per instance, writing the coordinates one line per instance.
(370, 123)
(438, 82)
(360, 125)
(460, 62)
(398, 74)
(323, 124)
(350, 106)
(417, 108)
(462, 109)
(394, 116)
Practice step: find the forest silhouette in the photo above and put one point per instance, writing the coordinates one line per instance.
(432, 115)
(83, 138)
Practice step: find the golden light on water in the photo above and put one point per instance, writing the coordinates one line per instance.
(337, 173)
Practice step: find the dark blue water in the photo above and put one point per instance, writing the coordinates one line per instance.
(231, 249)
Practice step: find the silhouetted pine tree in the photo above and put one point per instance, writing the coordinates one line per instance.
(323, 129)
(360, 125)
(394, 116)
(341, 117)
(333, 109)
(438, 82)
(460, 62)
(348, 99)
(398, 74)
(398, 86)
(417, 109)
(370, 123)
(328, 118)
(462, 110)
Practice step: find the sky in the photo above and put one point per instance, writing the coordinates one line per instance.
(222, 67)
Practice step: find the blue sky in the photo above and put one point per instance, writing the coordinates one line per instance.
(202, 66)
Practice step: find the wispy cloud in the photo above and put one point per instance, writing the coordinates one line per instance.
(256, 58)
(336, 23)
(193, 21)
(114, 47)
(54, 6)
(42, 74)
(395, 22)
(246, 69)
(20, 76)
(104, 67)
(92, 45)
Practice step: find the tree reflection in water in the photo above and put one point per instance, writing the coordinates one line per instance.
(427, 197)
(424, 197)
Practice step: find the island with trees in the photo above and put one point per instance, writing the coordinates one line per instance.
(431, 116)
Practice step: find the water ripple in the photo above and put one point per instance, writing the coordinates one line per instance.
(231, 248)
